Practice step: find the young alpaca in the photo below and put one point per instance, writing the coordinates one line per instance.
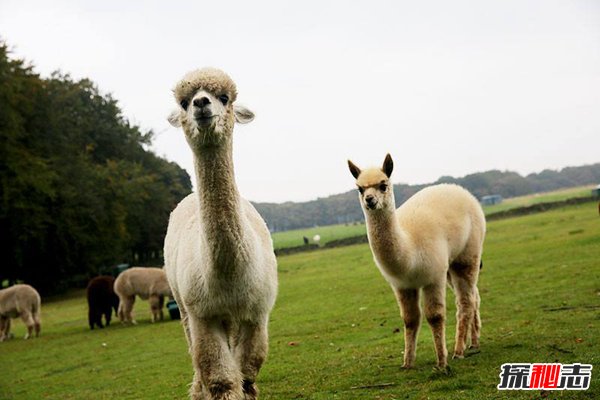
(219, 255)
(148, 283)
(434, 237)
(23, 301)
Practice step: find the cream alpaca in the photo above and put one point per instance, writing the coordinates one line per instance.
(218, 251)
(20, 301)
(148, 283)
(434, 238)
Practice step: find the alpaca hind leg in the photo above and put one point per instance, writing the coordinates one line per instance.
(216, 374)
(408, 300)
(126, 308)
(252, 349)
(476, 323)
(29, 323)
(120, 309)
(465, 307)
(186, 325)
(37, 323)
(435, 312)
(91, 317)
(154, 306)
(129, 310)
(97, 317)
(161, 305)
(107, 314)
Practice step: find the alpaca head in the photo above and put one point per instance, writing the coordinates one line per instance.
(206, 107)
(375, 189)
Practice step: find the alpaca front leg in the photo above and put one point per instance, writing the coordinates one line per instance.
(252, 349)
(216, 373)
(408, 300)
(435, 312)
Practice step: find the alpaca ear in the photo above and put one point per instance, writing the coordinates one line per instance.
(388, 165)
(242, 114)
(173, 118)
(354, 170)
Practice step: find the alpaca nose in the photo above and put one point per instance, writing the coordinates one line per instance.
(370, 199)
(201, 102)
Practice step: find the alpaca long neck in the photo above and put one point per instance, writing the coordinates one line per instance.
(387, 239)
(219, 202)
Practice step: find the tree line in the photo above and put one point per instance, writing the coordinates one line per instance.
(79, 188)
(345, 208)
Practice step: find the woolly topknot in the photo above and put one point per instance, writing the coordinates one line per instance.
(210, 79)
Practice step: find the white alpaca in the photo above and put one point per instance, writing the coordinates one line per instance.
(148, 283)
(20, 301)
(219, 255)
(435, 237)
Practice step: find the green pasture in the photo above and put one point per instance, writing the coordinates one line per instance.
(336, 332)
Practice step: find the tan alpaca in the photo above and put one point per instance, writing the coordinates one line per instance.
(148, 283)
(218, 251)
(435, 237)
(20, 301)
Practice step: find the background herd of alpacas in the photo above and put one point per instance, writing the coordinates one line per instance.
(221, 269)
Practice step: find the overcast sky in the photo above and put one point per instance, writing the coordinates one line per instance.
(447, 87)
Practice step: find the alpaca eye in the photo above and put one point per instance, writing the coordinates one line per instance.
(361, 190)
(383, 187)
(184, 104)
(224, 99)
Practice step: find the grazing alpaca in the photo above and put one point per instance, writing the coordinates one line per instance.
(148, 283)
(23, 301)
(218, 251)
(101, 299)
(435, 237)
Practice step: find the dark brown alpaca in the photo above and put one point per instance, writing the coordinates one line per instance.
(101, 300)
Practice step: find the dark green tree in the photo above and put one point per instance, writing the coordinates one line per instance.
(79, 188)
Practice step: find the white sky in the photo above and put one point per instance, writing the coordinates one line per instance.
(447, 87)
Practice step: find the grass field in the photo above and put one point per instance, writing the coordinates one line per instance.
(333, 232)
(540, 289)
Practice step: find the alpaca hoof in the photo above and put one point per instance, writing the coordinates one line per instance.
(133, 322)
(407, 366)
(444, 370)
(474, 347)
(458, 356)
